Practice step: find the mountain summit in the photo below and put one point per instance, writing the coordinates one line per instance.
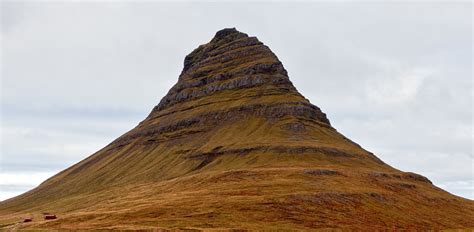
(234, 145)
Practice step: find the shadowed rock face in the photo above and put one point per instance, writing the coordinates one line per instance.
(234, 145)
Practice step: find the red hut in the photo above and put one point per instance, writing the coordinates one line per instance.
(49, 216)
(27, 219)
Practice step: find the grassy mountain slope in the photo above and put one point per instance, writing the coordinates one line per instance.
(234, 145)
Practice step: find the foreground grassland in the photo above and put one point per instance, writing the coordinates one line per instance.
(298, 197)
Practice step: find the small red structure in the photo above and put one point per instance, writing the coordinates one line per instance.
(49, 216)
(28, 219)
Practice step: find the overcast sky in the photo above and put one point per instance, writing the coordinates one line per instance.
(395, 78)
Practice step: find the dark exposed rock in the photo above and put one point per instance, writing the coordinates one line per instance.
(210, 87)
(208, 157)
(404, 176)
(417, 177)
(407, 186)
(321, 172)
(225, 32)
(294, 127)
(223, 36)
(268, 111)
(343, 198)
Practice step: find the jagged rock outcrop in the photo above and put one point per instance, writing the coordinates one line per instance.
(234, 145)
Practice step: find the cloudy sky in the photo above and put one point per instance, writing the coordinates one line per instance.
(396, 78)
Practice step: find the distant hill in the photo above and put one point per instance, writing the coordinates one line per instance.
(234, 145)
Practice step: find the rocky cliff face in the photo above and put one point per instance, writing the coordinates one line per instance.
(232, 62)
(233, 144)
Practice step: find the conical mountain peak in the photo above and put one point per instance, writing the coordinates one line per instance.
(232, 62)
(221, 38)
(220, 49)
(228, 34)
(234, 145)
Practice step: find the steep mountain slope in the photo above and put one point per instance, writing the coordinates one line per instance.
(234, 145)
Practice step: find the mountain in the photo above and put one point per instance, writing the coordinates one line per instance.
(234, 145)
